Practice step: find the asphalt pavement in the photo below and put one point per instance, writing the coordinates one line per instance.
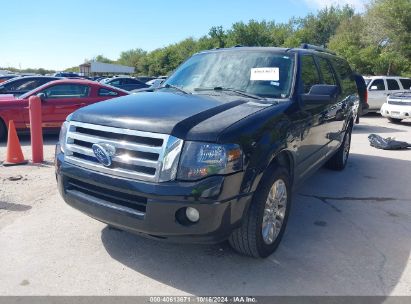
(349, 233)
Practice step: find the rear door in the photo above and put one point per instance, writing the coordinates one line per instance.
(334, 114)
(377, 93)
(63, 99)
(310, 120)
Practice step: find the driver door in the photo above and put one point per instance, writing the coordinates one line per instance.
(60, 100)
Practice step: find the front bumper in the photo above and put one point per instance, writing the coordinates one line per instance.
(153, 209)
(396, 111)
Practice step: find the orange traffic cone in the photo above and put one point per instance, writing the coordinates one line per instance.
(14, 154)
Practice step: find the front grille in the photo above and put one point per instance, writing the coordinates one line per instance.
(131, 201)
(138, 155)
(399, 102)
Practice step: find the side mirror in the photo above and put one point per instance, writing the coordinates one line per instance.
(42, 96)
(320, 94)
(373, 88)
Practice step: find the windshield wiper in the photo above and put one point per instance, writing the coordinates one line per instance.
(239, 92)
(170, 86)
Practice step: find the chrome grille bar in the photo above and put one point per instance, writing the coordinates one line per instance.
(142, 159)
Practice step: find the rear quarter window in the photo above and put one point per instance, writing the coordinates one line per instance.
(345, 75)
(107, 92)
(406, 83)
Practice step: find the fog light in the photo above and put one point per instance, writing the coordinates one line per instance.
(192, 214)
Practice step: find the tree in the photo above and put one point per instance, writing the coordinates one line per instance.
(134, 58)
(101, 58)
(389, 28)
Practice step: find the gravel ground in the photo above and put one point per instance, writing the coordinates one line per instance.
(349, 233)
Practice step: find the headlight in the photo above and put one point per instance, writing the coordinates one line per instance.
(199, 160)
(62, 136)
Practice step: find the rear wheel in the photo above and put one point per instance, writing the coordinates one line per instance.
(264, 223)
(3, 131)
(340, 158)
(394, 120)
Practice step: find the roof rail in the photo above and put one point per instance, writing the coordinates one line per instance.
(315, 48)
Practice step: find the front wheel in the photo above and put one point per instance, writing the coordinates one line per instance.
(264, 222)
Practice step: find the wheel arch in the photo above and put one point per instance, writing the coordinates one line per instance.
(283, 158)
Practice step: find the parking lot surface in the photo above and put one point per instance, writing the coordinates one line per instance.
(349, 233)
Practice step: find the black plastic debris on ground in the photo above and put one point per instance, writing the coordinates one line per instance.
(388, 143)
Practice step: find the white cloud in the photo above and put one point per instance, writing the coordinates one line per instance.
(358, 5)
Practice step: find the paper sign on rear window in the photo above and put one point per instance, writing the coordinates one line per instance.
(271, 74)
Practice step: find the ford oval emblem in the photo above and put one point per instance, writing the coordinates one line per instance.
(102, 155)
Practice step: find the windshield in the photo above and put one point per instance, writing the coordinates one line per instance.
(262, 73)
(29, 93)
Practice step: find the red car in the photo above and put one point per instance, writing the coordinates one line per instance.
(59, 99)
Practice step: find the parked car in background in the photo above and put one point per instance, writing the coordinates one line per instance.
(379, 87)
(397, 107)
(4, 78)
(145, 79)
(125, 83)
(66, 74)
(156, 82)
(59, 99)
(21, 85)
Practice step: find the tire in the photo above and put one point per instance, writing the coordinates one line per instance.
(248, 239)
(394, 120)
(3, 131)
(339, 160)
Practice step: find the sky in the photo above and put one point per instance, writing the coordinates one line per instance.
(57, 34)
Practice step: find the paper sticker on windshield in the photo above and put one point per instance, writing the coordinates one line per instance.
(271, 74)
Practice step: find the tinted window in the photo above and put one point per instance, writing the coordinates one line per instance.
(66, 91)
(127, 81)
(12, 86)
(309, 73)
(106, 92)
(344, 72)
(326, 71)
(29, 85)
(379, 83)
(406, 83)
(393, 84)
(116, 82)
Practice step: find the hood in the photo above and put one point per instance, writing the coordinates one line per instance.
(186, 116)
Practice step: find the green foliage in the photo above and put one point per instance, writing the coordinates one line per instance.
(378, 42)
(375, 42)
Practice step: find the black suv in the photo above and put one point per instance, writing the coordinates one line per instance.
(215, 152)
